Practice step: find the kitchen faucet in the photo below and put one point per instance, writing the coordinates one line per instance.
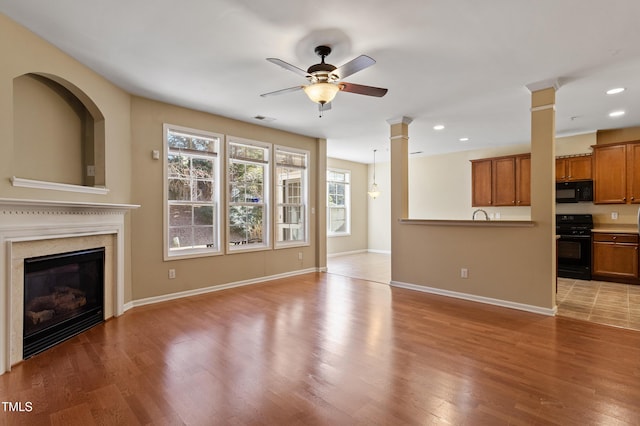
(473, 216)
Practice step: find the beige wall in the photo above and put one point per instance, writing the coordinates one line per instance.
(514, 265)
(358, 239)
(150, 271)
(379, 210)
(132, 129)
(23, 52)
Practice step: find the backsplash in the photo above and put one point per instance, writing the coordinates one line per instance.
(627, 213)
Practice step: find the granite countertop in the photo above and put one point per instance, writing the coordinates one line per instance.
(616, 228)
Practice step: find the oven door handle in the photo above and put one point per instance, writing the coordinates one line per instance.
(577, 237)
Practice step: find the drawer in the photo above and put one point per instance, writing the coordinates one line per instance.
(615, 238)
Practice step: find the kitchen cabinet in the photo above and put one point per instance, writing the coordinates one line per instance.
(501, 181)
(616, 173)
(574, 168)
(481, 183)
(615, 256)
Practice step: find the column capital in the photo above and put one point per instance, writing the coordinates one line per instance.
(399, 120)
(551, 83)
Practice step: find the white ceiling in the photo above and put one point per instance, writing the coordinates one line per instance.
(464, 64)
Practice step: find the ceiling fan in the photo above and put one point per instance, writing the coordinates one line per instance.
(325, 79)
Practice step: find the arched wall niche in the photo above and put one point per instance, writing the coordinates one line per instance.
(59, 132)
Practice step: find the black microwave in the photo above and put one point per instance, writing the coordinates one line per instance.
(573, 192)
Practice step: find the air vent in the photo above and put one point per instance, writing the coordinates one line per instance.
(264, 118)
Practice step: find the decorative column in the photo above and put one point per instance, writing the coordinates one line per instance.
(543, 207)
(399, 141)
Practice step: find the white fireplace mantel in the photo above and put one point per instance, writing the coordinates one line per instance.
(23, 220)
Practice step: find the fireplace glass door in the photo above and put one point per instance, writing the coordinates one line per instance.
(63, 296)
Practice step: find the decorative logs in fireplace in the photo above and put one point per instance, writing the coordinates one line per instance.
(63, 296)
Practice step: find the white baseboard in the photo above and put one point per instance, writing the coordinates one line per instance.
(379, 251)
(479, 299)
(204, 290)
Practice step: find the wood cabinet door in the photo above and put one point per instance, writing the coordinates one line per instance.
(615, 260)
(610, 171)
(561, 174)
(523, 180)
(481, 183)
(578, 168)
(504, 181)
(633, 172)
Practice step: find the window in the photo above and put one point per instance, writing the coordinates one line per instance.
(291, 197)
(339, 205)
(248, 180)
(192, 192)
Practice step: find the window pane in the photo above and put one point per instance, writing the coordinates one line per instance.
(337, 220)
(203, 215)
(179, 166)
(180, 237)
(180, 215)
(245, 225)
(204, 191)
(201, 144)
(202, 168)
(179, 190)
(203, 236)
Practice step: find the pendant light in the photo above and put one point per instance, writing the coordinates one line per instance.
(374, 193)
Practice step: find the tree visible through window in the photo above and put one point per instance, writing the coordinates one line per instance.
(291, 196)
(192, 191)
(248, 168)
(338, 193)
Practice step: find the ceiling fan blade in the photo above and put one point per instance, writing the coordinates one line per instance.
(282, 91)
(363, 90)
(288, 66)
(353, 66)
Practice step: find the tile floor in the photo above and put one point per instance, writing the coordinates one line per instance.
(598, 301)
(368, 266)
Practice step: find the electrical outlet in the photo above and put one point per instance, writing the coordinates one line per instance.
(464, 273)
(155, 154)
(497, 215)
(91, 170)
(172, 274)
(299, 255)
(614, 215)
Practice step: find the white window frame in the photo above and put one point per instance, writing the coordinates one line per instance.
(347, 203)
(303, 204)
(231, 245)
(215, 248)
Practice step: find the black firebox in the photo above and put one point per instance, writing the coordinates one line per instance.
(63, 296)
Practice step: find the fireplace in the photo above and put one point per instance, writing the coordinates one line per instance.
(63, 296)
(38, 228)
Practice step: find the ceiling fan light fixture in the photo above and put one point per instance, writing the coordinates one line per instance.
(322, 93)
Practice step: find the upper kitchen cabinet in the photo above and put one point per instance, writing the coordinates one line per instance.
(501, 181)
(617, 173)
(574, 168)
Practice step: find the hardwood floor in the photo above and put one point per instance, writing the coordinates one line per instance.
(324, 349)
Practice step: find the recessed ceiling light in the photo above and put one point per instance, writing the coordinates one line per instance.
(463, 139)
(616, 113)
(438, 127)
(615, 90)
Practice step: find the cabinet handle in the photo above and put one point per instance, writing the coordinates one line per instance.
(624, 198)
(614, 237)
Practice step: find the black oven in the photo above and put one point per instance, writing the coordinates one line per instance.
(574, 245)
